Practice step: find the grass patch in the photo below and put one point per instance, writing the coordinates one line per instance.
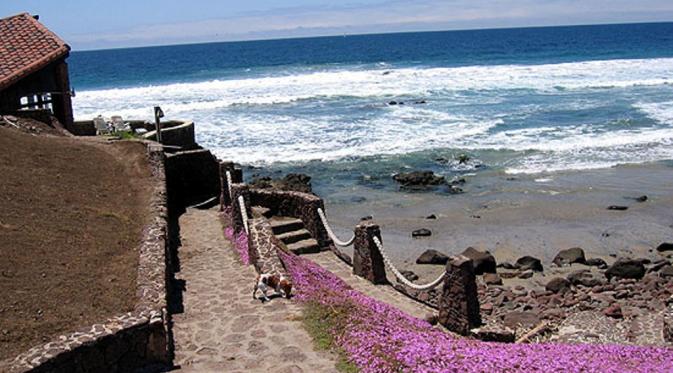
(321, 322)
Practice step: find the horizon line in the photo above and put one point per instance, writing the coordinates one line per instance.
(370, 34)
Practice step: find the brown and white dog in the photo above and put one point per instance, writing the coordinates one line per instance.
(279, 283)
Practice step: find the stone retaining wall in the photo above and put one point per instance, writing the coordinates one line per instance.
(263, 248)
(126, 342)
(193, 176)
(175, 133)
(303, 206)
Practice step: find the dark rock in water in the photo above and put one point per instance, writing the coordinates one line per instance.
(452, 189)
(460, 181)
(492, 279)
(666, 246)
(291, 182)
(420, 102)
(618, 208)
(431, 217)
(605, 234)
(463, 159)
(525, 319)
(418, 178)
(482, 261)
(507, 265)
(558, 285)
(409, 275)
(392, 103)
(432, 257)
(386, 73)
(597, 262)
(585, 278)
(421, 233)
(641, 198)
(529, 262)
(365, 218)
(297, 182)
(570, 256)
(626, 268)
(614, 311)
(666, 271)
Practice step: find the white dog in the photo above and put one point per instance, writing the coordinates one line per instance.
(280, 284)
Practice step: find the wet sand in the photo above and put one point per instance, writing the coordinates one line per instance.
(516, 215)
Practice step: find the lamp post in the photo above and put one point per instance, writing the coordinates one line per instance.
(158, 114)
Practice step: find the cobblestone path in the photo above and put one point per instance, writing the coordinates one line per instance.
(221, 328)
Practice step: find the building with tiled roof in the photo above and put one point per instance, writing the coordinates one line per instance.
(33, 70)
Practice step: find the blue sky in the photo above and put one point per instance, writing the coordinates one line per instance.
(124, 23)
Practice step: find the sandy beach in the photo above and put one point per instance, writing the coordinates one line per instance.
(516, 215)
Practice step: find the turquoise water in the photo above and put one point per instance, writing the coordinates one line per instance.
(535, 100)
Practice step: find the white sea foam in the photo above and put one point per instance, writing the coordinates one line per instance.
(264, 119)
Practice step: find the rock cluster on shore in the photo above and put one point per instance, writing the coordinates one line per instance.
(627, 289)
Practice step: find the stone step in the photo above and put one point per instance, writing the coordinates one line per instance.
(294, 236)
(281, 225)
(308, 246)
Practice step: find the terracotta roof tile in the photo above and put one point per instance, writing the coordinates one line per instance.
(26, 46)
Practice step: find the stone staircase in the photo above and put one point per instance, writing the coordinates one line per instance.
(290, 231)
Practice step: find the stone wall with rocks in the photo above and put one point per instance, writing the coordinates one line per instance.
(263, 248)
(129, 341)
(236, 177)
(238, 190)
(367, 259)
(299, 205)
(459, 302)
(193, 176)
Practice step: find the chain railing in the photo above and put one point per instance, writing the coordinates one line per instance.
(399, 275)
(330, 232)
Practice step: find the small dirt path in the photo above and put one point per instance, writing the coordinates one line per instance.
(220, 327)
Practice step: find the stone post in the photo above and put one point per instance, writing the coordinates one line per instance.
(236, 177)
(236, 218)
(458, 302)
(367, 260)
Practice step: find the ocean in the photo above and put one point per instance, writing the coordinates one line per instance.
(355, 109)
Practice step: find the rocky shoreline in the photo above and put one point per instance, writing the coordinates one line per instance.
(574, 300)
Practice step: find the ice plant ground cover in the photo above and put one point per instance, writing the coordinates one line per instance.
(376, 337)
(379, 338)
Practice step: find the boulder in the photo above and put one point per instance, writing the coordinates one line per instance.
(409, 275)
(492, 279)
(431, 217)
(432, 257)
(570, 256)
(558, 285)
(525, 319)
(421, 233)
(585, 278)
(666, 246)
(597, 262)
(666, 271)
(626, 268)
(507, 265)
(614, 311)
(642, 198)
(291, 182)
(482, 261)
(618, 208)
(526, 274)
(529, 262)
(418, 179)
